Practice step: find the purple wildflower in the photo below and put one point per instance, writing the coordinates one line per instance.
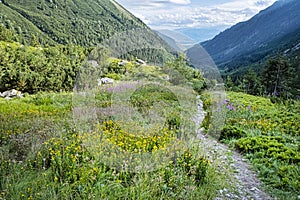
(226, 101)
(231, 107)
(110, 89)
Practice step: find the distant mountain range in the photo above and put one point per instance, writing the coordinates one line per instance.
(201, 34)
(85, 23)
(272, 31)
(182, 41)
(185, 38)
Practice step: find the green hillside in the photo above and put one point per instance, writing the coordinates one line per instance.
(286, 46)
(84, 23)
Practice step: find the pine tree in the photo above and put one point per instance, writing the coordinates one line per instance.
(277, 77)
(252, 83)
(229, 84)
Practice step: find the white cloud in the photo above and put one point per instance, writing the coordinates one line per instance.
(172, 14)
(180, 1)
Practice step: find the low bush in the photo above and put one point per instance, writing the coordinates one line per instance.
(232, 132)
(268, 134)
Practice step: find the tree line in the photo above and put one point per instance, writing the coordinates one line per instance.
(279, 78)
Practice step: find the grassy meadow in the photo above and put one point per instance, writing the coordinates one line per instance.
(44, 157)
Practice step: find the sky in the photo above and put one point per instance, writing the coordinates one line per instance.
(173, 14)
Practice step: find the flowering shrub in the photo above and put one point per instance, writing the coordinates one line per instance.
(178, 175)
(268, 134)
(157, 139)
(195, 168)
(272, 151)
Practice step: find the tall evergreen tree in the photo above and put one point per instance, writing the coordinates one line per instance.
(277, 77)
(229, 84)
(252, 83)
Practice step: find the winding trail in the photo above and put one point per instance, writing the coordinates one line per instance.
(247, 184)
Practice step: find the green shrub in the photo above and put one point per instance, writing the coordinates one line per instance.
(151, 95)
(232, 132)
(277, 163)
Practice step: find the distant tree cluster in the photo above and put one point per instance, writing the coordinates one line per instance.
(279, 78)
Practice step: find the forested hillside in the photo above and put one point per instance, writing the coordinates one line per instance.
(261, 56)
(269, 30)
(84, 23)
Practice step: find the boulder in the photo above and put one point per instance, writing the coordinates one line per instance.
(141, 62)
(105, 80)
(94, 63)
(11, 94)
(122, 63)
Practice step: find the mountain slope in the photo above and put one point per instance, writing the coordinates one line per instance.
(79, 22)
(169, 40)
(264, 33)
(181, 39)
(201, 34)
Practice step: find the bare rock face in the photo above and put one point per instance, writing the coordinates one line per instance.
(11, 94)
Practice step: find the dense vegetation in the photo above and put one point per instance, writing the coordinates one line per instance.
(42, 146)
(32, 69)
(268, 134)
(45, 155)
(85, 23)
(277, 78)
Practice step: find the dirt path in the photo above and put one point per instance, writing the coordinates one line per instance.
(247, 184)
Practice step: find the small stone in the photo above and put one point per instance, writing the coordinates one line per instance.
(123, 63)
(13, 92)
(10, 94)
(141, 62)
(94, 63)
(105, 80)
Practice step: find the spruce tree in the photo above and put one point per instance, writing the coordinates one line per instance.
(277, 77)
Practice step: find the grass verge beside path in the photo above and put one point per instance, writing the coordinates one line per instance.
(268, 135)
